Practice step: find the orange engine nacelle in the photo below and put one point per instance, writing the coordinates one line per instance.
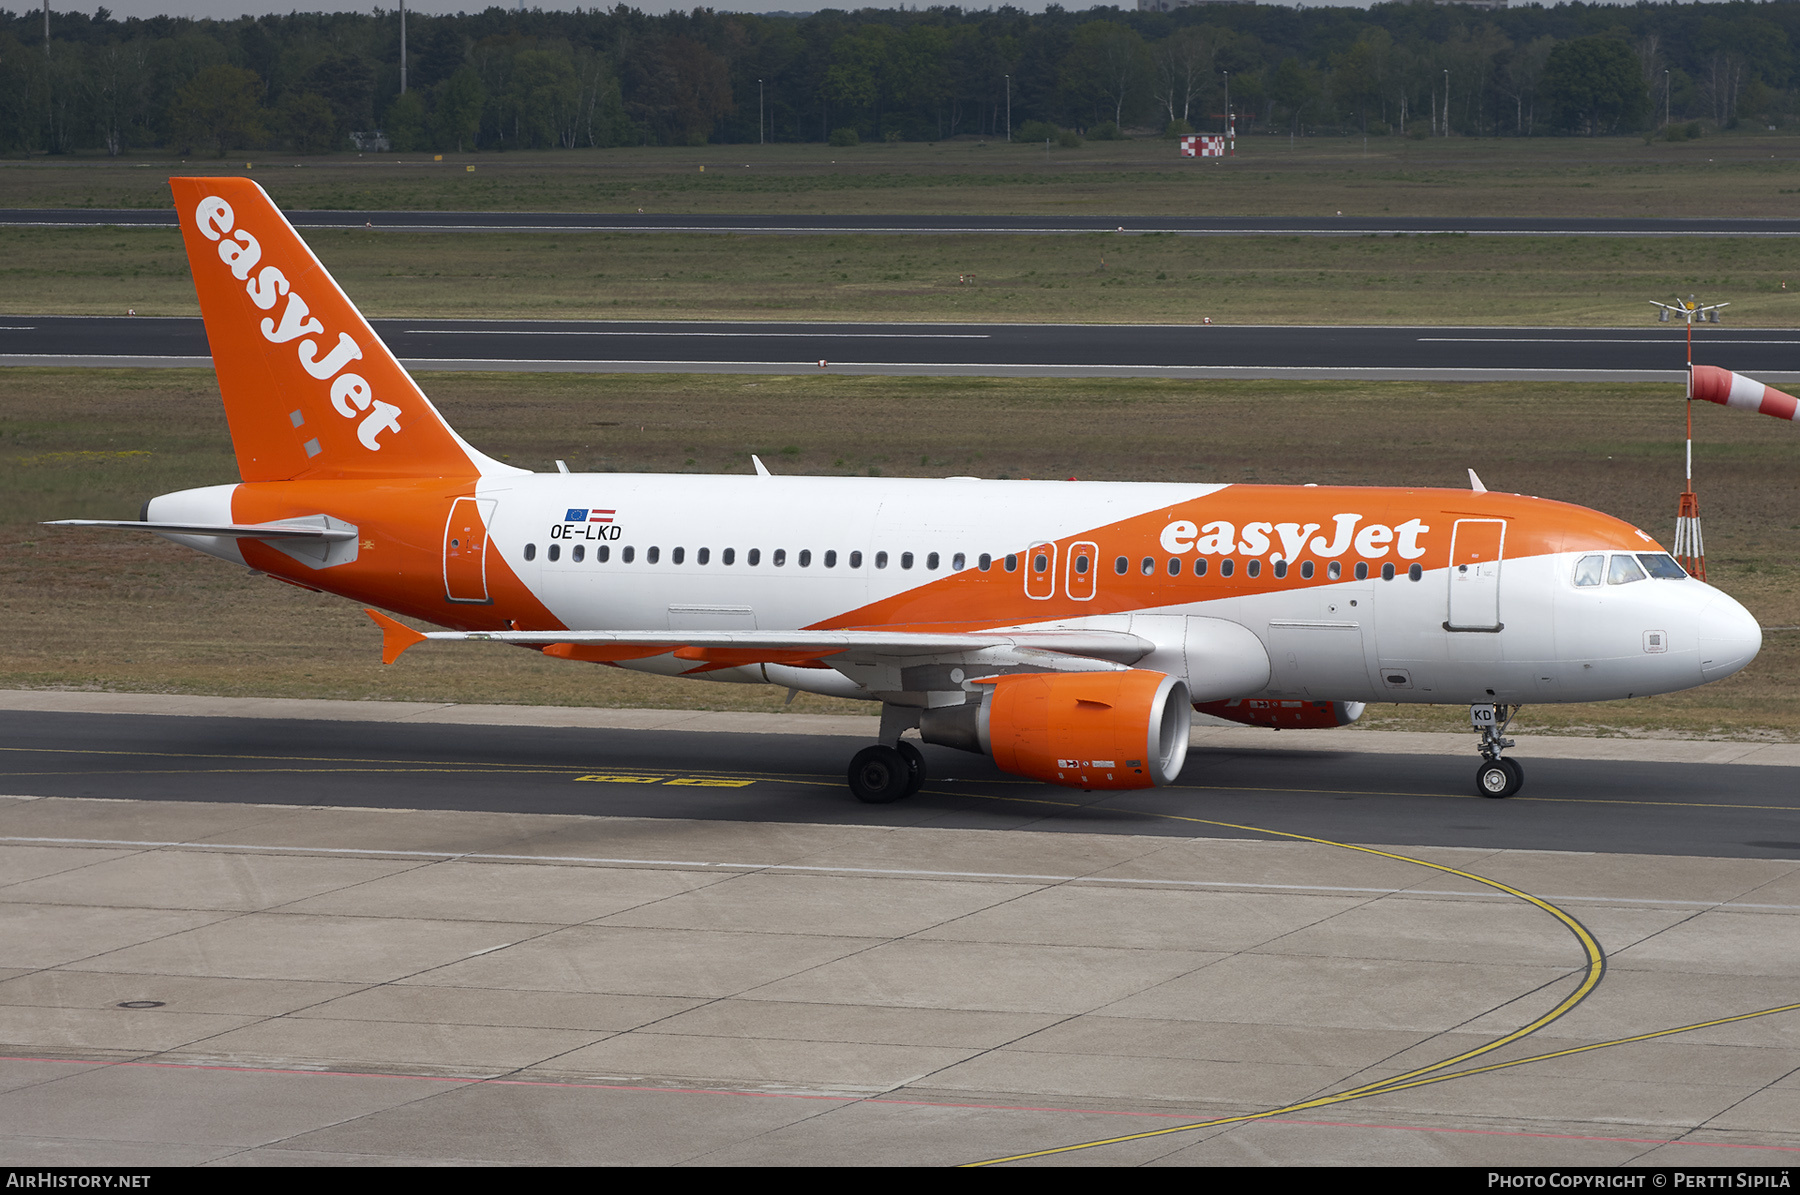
(1285, 715)
(1124, 729)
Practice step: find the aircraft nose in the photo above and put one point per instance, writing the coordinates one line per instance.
(1730, 637)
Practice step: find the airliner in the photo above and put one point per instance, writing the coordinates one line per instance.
(1067, 630)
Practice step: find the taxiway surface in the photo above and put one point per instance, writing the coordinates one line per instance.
(387, 933)
(1649, 353)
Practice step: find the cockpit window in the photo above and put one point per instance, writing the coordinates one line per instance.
(1624, 571)
(1662, 566)
(1590, 570)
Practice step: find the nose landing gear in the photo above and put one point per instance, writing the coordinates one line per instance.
(1497, 776)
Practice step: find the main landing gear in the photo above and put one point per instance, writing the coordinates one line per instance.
(1497, 776)
(881, 774)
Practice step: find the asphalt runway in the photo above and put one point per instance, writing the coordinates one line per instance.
(1650, 353)
(1743, 811)
(815, 225)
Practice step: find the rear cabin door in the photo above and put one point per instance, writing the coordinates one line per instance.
(465, 550)
(1476, 548)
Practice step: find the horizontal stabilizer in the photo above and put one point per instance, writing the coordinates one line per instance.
(226, 530)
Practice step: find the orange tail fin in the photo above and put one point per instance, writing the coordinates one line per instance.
(310, 391)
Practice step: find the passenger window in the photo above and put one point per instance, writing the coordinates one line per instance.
(881, 560)
(1226, 567)
(728, 556)
(1040, 563)
(1199, 566)
(652, 555)
(1281, 568)
(701, 556)
(627, 554)
(1147, 565)
(805, 558)
(779, 558)
(1121, 565)
(577, 553)
(1174, 566)
(1081, 565)
(602, 553)
(531, 551)
(931, 562)
(1012, 564)
(984, 562)
(958, 563)
(753, 557)
(831, 559)
(1333, 571)
(1306, 570)
(1624, 571)
(555, 552)
(677, 555)
(1590, 570)
(1387, 571)
(906, 560)
(1362, 571)
(1416, 572)
(856, 560)
(1253, 569)
(1662, 566)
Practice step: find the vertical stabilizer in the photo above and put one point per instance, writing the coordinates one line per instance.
(310, 391)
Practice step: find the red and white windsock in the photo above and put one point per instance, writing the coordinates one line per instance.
(1729, 389)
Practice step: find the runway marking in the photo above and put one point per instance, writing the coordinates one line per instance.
(783, 335)
(695, 781)
(1593, 972)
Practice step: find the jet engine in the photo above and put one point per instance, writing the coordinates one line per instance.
(1285, 715)
(1118, 729)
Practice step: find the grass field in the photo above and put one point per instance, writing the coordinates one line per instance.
(1106, 278)
(1744, 173)
(111, 611)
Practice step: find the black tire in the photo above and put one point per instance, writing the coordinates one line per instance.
(1518, 775)
(915, 763)
(1498, 778)
(879, 775)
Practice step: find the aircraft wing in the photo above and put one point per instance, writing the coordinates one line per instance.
(227, 530)
(726, 648)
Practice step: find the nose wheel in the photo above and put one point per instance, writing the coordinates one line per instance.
(1497, 776)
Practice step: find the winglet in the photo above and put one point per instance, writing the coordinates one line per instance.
(396, 637)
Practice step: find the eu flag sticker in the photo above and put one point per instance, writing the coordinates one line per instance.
(576, 516)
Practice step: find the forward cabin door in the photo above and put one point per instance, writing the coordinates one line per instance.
(465, 550)
(1476, 548)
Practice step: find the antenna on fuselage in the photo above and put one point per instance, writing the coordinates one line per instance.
(762, 470)
(1475, 483)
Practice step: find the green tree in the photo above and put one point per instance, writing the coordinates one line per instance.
(307, 123)
(220, 107)
(1595, 85)
(460, 100)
